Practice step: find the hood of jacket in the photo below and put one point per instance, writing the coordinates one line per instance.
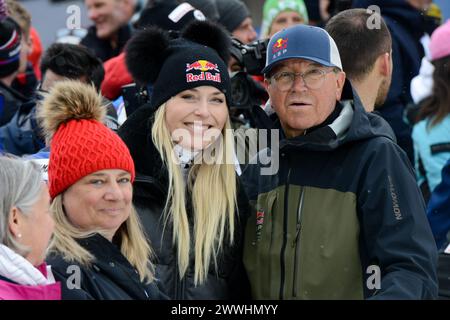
(400, 11)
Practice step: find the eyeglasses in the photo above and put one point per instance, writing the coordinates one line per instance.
(313, 79)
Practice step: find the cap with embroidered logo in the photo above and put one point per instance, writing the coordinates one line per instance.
(302, 42)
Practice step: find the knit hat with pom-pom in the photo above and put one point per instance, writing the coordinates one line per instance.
(10, 36)
(80, 144)
(440, 42)
(197, 58)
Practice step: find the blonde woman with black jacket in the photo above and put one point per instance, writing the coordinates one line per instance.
(187, 192)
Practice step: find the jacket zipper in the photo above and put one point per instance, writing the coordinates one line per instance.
(295, 243)
(285, 225)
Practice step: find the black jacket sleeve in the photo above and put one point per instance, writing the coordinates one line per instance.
(439, 208)
(394, 227)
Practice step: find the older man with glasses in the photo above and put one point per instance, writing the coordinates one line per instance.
(342, 218)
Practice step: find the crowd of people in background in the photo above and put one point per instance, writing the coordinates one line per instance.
(102, 198)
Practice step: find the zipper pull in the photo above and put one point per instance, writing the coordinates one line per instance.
(297, 233)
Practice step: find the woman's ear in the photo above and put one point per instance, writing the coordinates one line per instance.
(15, 221)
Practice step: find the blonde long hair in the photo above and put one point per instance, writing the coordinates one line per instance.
(133, 243)
(213, 190)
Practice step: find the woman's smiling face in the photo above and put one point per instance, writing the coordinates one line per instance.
(195, 117)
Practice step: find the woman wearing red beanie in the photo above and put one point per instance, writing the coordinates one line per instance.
(99, 250)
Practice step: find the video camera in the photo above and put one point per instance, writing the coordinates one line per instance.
(135, 96)
(251, 58)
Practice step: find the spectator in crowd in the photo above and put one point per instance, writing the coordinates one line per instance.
(26, 226)
(12, 57)
(366, 54)
(439, 218)
(68, 61)
(26, 80)
(431, 134)
(22, 134)
(422, 84)
(344, 202)
(111, 29)
(159, 14)
(188, 197)
(235, 17)
(405, 20)
(90, 174)
(280, 14)
(439, 209)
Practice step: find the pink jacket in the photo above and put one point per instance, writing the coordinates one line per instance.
(12, 291)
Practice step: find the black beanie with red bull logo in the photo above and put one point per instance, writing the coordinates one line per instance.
(196, 58)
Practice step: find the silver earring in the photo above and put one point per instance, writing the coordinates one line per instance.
(19, 235)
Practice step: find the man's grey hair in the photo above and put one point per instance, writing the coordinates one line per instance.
(20, 187)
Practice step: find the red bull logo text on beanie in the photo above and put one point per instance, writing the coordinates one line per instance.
(204, 66)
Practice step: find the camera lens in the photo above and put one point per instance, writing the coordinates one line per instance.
(240, 91)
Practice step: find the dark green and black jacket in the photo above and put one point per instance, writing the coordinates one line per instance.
(343, 203)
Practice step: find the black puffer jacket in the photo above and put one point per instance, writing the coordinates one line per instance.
(150, 192)
(111, 276)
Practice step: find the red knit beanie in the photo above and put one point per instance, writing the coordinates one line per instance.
(80, 144)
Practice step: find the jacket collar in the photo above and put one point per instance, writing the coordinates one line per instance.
(16, 268)
(108, 257)
(348, 122)
(325, 135)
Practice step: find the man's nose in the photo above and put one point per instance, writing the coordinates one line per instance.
(299, 83)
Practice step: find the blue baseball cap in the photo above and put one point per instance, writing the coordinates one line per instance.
(302, 42)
